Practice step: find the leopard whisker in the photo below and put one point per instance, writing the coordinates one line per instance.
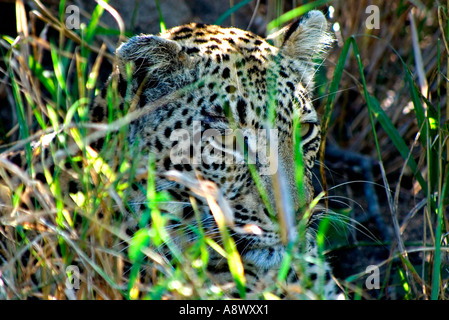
(330, 93)
(338, 218)
(333, 197)
(358, 181)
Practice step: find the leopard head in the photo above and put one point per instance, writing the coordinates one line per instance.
(218, 105)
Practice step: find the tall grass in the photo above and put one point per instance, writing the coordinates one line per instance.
(52, 81)
(430, 173)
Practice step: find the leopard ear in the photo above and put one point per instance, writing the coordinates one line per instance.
(304, 39)
(149, 55)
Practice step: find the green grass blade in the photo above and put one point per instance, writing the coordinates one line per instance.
(58, 68)
(440, 221)
(73, 108)
(233, 256)
(230, 11)
(397, 140)
(333, 89)
(161, 17)
(42, 75)
(21, 119)
(286, 263)
(91, 28)
(387, 125)
(417, 104)
(294, 13)
(62, 9)
(299, 162)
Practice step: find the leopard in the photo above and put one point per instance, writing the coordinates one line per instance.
(218, 115)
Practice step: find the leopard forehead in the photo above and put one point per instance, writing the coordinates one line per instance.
(215, 40)
(233, 56)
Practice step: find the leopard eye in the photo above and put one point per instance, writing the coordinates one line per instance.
(304, 128)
